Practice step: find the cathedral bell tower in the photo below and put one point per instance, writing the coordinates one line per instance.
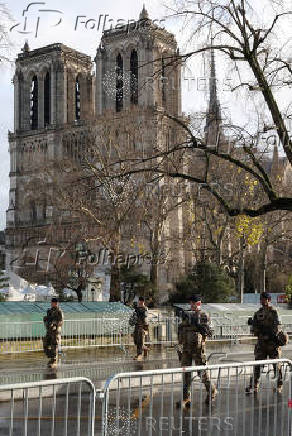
(53, 93)
(137, 64)
(52, 86)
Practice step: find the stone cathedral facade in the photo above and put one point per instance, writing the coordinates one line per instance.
(60, 94)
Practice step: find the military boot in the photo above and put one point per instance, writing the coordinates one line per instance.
(53, 363)
(185, 404)
(139, 357)
(279, 389)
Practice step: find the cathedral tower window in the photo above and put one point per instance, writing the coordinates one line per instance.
(47, 99)
(134, 77)
(163, 80)
(33, 211)
(119, 82)
(44, 208)
(77, 99)
(34, 95)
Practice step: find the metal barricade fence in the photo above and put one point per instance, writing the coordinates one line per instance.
(231, 331)
(27, 336)
(23, 337)
(148, 403)
(55, 407)
(97, 332)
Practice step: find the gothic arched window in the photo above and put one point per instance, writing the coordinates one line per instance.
(134, 77)
(44, 207)
(47, 99)
(34, 96)
(163, 80)
(119, 82)
(77, 99)
(33, 211)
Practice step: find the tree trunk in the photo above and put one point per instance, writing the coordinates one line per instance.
(262, 268)
(154, 274)
(154, 245)
(272, 104)
(241, 270)
(115, 292)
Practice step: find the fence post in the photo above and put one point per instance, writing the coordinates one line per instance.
(27, 388)
(230, 379)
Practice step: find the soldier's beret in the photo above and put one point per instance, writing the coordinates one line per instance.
(266, 295)
(195, 298)
(54, 300)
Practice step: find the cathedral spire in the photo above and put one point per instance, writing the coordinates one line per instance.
(213, 119)
(25, 48)
(144, 14)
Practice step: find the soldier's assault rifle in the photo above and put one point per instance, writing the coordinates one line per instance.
(264, 330)
(49, 323)
(203, 329)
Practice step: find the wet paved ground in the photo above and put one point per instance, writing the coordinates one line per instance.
(266, 414)
(241, 415)
(99, 364)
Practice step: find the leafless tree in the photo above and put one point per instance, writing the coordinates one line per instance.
(238, 34)
(5, 40)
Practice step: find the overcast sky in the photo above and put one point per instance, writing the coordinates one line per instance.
(61, 24)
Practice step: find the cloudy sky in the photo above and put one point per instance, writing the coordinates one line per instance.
(51, 21)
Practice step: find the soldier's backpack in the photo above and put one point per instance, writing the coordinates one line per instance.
(282, 338)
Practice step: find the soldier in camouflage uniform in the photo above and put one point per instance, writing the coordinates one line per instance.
(53, 322)
(265, 326)
(192, 334)
(141, 328)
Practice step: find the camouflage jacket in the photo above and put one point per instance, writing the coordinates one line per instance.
(141, 317)
(194, 329)
(54, 319)
(266, 323)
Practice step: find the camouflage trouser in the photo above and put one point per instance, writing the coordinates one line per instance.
(51, 343)
(262, 351)
(139, 339)
(199, 356)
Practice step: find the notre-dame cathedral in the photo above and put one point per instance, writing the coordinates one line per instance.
(57, 96)
(59, 100)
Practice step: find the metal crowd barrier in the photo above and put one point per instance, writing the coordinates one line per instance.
(148, 403)
(97, 332)
(23, 337)
(50, 407)
(231, 331)
(27, 336)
